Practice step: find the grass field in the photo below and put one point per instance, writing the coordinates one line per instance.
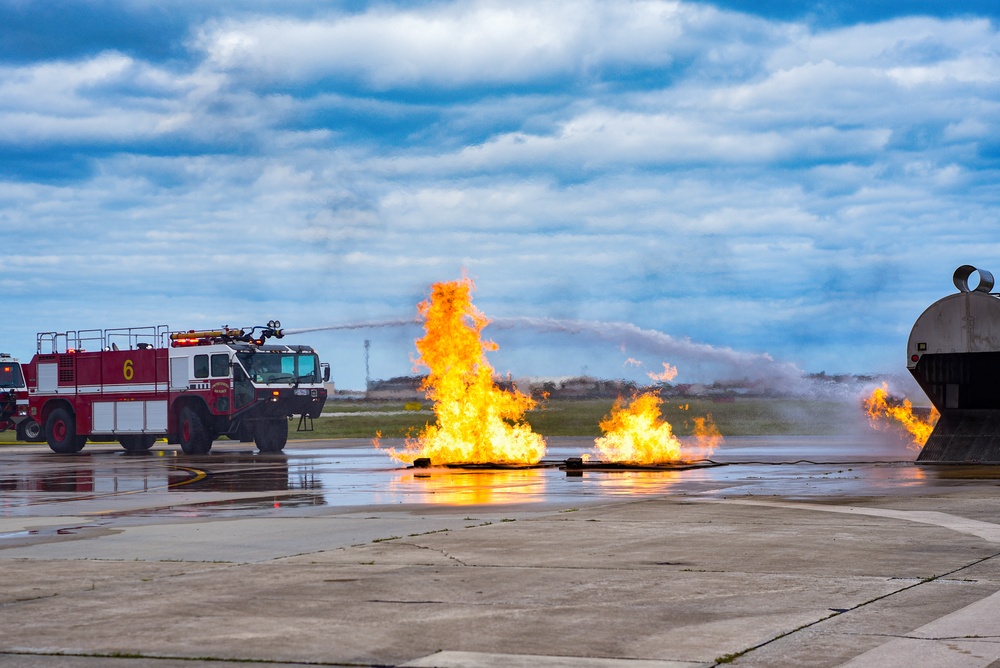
(743, 417)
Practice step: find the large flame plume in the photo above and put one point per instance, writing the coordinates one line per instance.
(884, 410)
(476, 421)
(637, 434)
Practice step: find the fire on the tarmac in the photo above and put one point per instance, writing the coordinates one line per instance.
(885, 412)
(476, 421)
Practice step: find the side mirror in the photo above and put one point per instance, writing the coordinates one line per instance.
(326, 372)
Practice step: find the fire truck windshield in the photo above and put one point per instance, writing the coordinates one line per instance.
(10, 376)
(280, 367)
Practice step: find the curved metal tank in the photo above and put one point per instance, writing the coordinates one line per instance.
(954, 354)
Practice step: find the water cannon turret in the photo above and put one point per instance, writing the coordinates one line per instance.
(227, 335)
(273, 329)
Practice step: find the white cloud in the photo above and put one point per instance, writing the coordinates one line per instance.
(899, 42)
(474, 42)
(108, 97)
(756, 185)
(603, 139)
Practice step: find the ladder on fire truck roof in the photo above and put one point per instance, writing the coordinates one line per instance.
(125, 338)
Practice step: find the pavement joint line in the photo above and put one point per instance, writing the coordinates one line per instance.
(905, 636)
(432, 549)
(988, 531)
(463, 659)
(18, 601)
(904, 651)
(730, 657)
(193, 659)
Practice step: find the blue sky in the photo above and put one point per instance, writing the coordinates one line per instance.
(739, 188)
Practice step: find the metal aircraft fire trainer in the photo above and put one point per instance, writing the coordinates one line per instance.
(954, 354)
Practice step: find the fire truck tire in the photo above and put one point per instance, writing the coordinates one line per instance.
(194, 436)
(271, 435)
(137, 443)
(30, 431)
(60, 432)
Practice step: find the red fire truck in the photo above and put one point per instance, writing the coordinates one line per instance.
(135, 385)
(14, 401)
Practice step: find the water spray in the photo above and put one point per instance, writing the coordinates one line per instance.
(758, 366)
(367, 324)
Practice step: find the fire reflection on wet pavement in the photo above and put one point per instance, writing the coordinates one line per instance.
(236, 480)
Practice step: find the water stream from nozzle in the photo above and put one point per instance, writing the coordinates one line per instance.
(366, 324)
(753, 365)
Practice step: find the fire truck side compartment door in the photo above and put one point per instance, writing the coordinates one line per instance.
(130, 416)
(104, 417)
(48, 377)
(156, 416)
(178, 373)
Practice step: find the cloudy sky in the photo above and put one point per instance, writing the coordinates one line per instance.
(723, 187)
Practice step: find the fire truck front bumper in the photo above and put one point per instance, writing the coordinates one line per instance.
(285, 402)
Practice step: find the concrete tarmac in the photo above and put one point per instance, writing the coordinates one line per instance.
(798, 552)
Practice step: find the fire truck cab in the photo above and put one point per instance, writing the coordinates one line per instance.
(136, 385)
(14, 400)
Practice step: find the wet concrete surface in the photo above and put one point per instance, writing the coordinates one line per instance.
(785, 551)
(351, 472)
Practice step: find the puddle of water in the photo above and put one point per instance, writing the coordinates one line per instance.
(17, 534)
(354, 474)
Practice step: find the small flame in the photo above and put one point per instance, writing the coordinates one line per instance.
(882, 409)
(707, 435)
(636, 434)
(668, 374)
(476, 421)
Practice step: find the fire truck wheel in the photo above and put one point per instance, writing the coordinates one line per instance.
(29, 430)
(194, 436)
(60, 431)
(139, 443)
(271, 435)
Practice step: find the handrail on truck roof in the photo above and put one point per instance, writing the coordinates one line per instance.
(124, 338)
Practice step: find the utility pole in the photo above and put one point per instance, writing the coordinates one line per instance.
(368, 377)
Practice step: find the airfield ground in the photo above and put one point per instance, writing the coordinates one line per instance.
(815, 549)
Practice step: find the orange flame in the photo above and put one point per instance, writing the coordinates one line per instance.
(707, 435)
(476, 422)
(882, 408)
(636, 434)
